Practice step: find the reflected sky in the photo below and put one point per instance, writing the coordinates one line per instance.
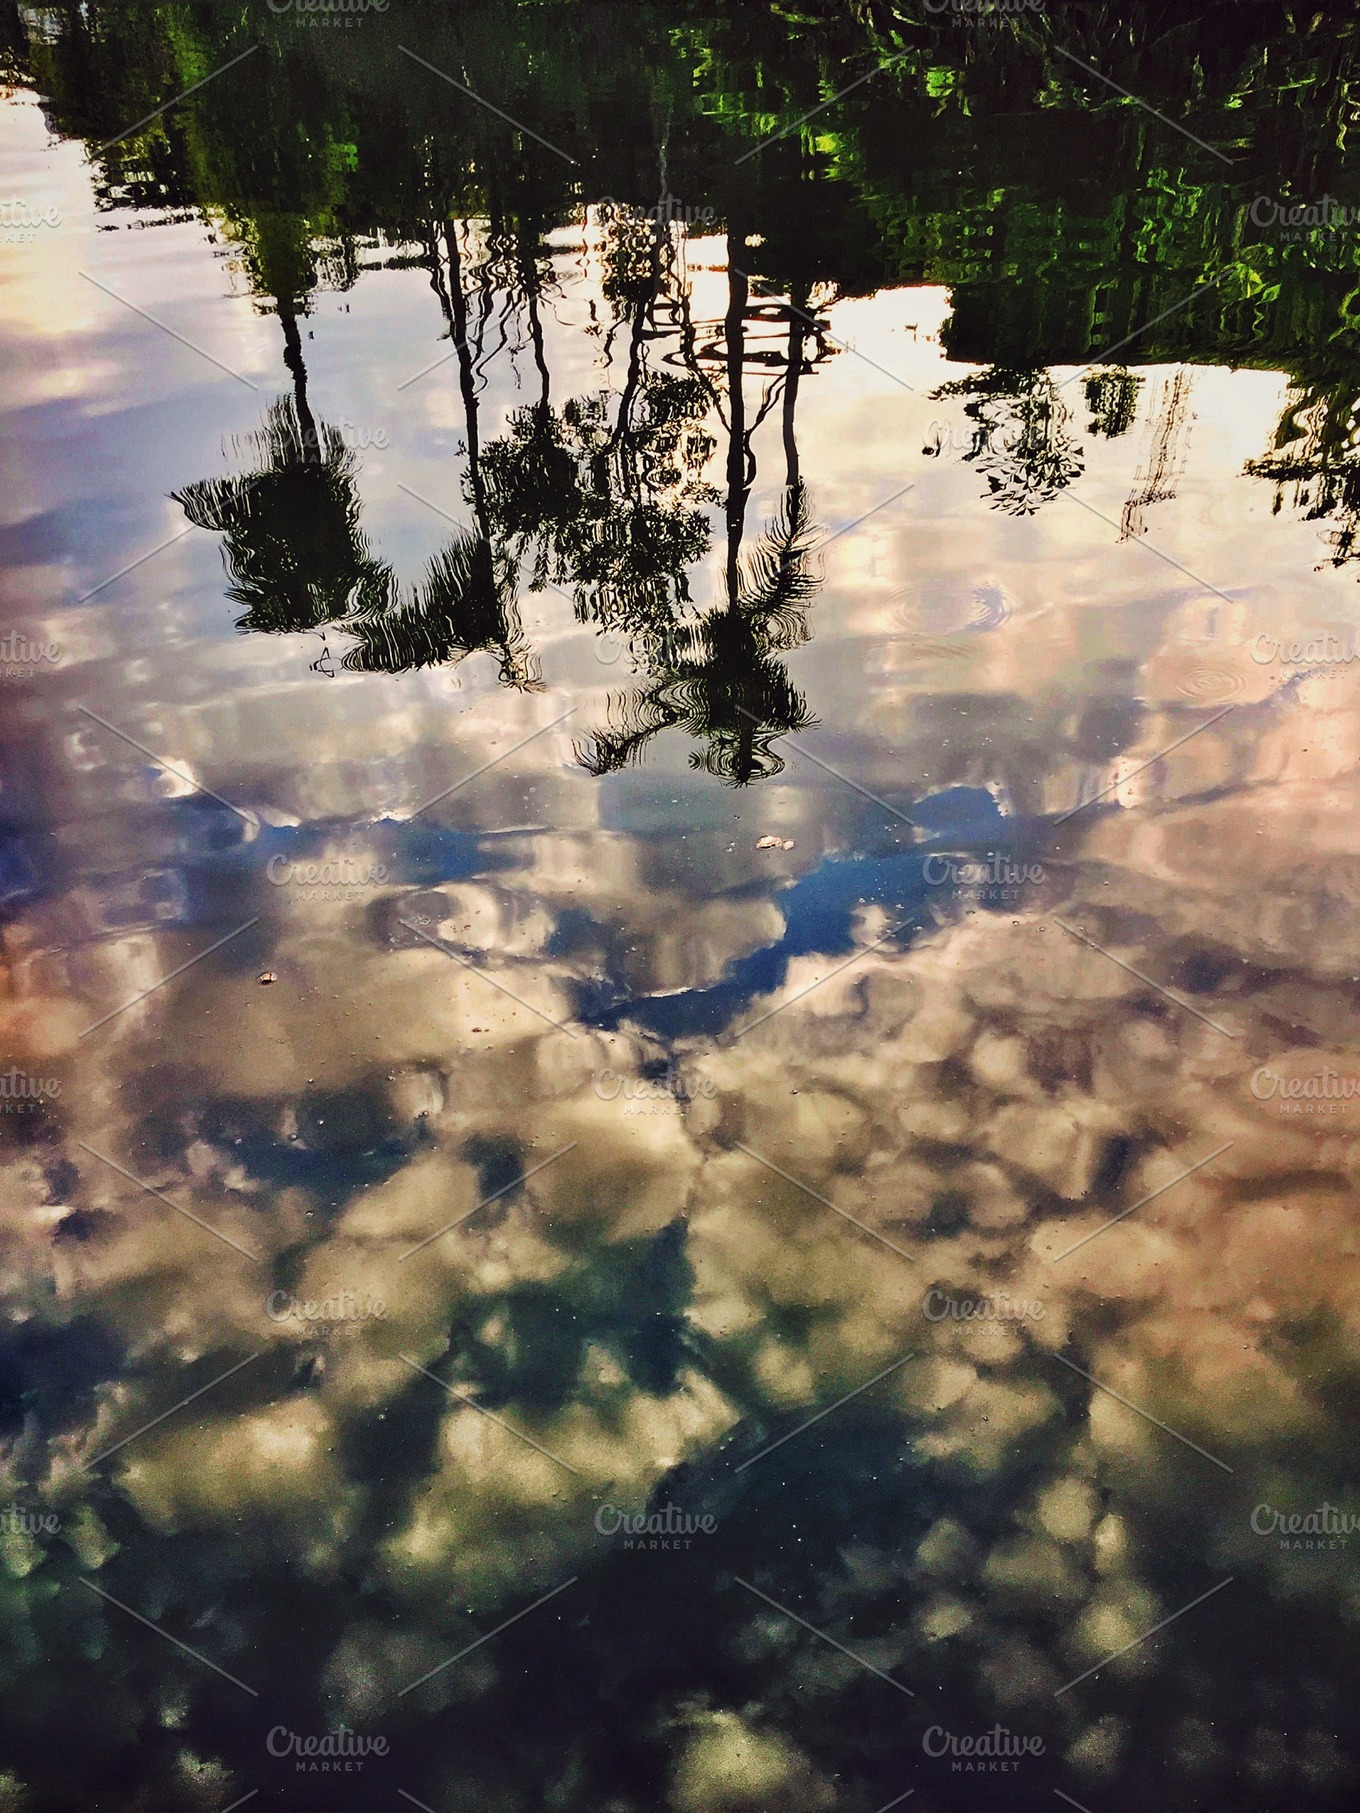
(640, 894)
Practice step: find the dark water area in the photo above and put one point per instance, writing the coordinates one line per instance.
(679, 743)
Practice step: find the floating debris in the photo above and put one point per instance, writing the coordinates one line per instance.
(774, 843)
(266, 978)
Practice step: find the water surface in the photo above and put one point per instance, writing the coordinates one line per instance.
(679, 862)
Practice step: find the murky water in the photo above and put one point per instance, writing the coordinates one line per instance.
(679, 1055)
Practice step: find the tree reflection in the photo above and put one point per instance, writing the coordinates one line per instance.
(719, 678)
(299, 559)
(467, 600)
(1021, 443)
(1316, 460)
(296, 553)
(606, 497)
(1112, 398)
